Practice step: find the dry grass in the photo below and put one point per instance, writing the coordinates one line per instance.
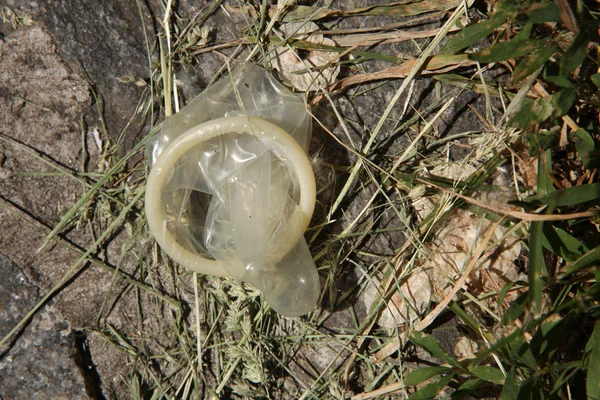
(223, 340)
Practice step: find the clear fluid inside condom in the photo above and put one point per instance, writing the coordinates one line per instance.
(236, 200)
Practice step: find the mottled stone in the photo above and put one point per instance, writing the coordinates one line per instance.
(40, 362)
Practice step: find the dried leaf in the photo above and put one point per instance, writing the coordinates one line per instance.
(459, 235)
(398, 9)
(312, 70)
(436, 64)
(566, 15)
(465, 348)
(369, 39)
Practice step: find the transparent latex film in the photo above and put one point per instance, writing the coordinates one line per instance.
(236, 197)
(248, 91)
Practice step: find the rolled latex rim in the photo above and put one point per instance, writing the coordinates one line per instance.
(270, 134)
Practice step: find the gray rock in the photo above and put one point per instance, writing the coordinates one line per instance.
(107, 38)
(40, 362)
(17, 296)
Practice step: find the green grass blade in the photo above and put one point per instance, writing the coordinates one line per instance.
(433, 347)
(593, 372)
(431, 390)
(488, 374)
(595, 79)
(541, 12)
(569, 196)
(503, 51)
(585, 145)
(543, 108)
(519, 351)
(422, 374)
(586, 260)
(96, 188)
(575, 55)
(464, 317)
(515, 310)
(468, 389)
(562, 243)
(537, 265)
(469, 84)
(532, 62)
(473, 33)
(536, 268)
(510, 389)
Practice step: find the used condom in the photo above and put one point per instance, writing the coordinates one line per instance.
(231, 190)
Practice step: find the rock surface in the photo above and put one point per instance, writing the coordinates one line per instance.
(41, 361)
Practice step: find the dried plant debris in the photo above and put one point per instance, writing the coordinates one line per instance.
(7, 15)
(305, 70)
(459, 234)
(450, 251)
(466, 348)
(392, 9)
(410, 299)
